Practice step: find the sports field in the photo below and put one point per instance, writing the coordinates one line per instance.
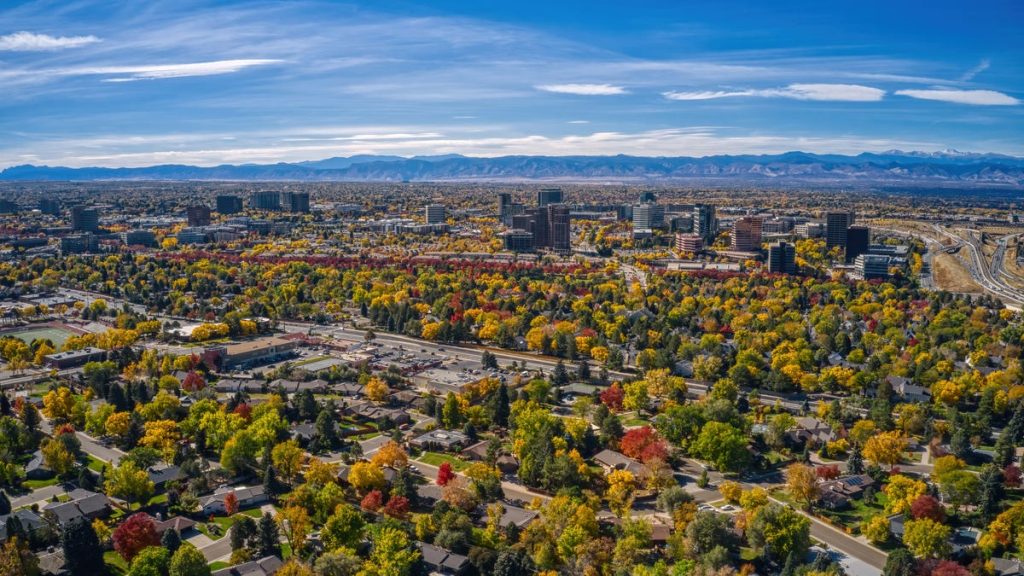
(56, 335)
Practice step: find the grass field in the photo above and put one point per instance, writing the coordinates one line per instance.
(56, 335)
(436, 459)
(950, 275)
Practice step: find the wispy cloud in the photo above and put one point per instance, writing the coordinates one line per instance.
(822, 92)
(579, 122)
(973, 97)
(981, 67)
(31, 42)
(160, 71)
(583, 89)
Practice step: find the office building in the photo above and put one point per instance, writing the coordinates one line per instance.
(548, 196)
(517, 241)
(858, 239)
(559, 227)
(49, 206)
(198, 215)
(265, 200)
(85, 219)
(691, 243)
(79, 244)
(648, 216)
(624, 212)
(540, 228)
(227, 204)
(648, 197)
(435, 214)
(522, 222)
(746, 234)
(705, 223)
(871, 266)
(138, 238)
(191, 236)
(810, 229)
(782, 258)
(836, 225)
(297, 202)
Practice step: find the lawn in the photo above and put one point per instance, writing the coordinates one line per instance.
(97, 465)
(219, 564)
(114, 562)
(858, 511)
(226, 522)
(37, 484)
(436, 459)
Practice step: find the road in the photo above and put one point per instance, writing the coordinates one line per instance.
(112, 455)
(985, 272)
(44, 493)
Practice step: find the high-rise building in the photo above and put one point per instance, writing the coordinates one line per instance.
(49, 206)
(858, 239)
(871, 266)
(705, 222)
(504, 204)
(782, 258)
(547, 196)
(517, 241)
(648, 216)
(689, 243)
(198, 215)
(746, 234)
(559, 227)
(836, 225)
(297, 202)
(435, 214)
(79, 244)
(648, 197)
(85, 219)
(227, 204)
(265, 200)
(541, 228)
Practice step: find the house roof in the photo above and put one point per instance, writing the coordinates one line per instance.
(179, 524)
(438, 557)
(262, 567)
(514, 515)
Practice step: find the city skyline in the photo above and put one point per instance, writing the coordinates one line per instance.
(205, 83)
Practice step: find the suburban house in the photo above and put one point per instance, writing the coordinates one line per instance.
(445, 440)
(262, 567)
(909, 391)
(247, 498)
(812, 430)
(611, 460)
(161, 473)
(516, 516)
(183, 526)
(31, 522)
(442, 561)
(37, 469)
(84, 505)
(1007, 567)
(836, 494)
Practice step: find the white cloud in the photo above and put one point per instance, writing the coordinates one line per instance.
(975, 97)
(822, 92)
(579, 122)
(981, 67)
(30, 42)
(160, 71)
(583, 89)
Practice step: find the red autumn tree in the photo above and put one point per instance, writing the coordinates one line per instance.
(644, 444)
(949, 568)
(445, 474)
(134, 534)
(397, 507)
(1012, 476)
(193, 382)
(827, 472)
(926, 506)
(231, 504)
(373, 500)
(243, 410)
(613, 396)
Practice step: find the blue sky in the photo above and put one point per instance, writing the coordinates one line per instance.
(99, 83)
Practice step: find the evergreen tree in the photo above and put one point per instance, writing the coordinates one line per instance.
(242, 532)
(513, 562)
(561, 375)
(900, 563)
(171, 540)
(992, 491)
(583, 372)
(1015, 428)
(86, 480)
(325, 428)
(488, 360)
(855, 463)
(792, 563)
(81, 545)
(5, 405)
(270, 482)
(5, 504)
(960, 444)
(501, 406)
(267, 537)
(1004, 451)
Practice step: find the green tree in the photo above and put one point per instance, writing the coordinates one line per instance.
(267, 537)
(391, 555)
(129, 483)
(344, 528)
(188, 561)
(926, 538)
(78, 540)
(900, 563)
(151, 561)
(722, 445)
(779, 531)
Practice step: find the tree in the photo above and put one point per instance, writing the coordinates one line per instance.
(731, 491)
(445, 474)
(992, 491)
(343, 529)
(392, 455)
(5, 504)
(373, 500)
(613, 397)
(134, 534)
(391, 554)
(900, 563)
(171, 540)
(287, 458)
(926, 538)
(886, 448)
(960, 488)
(855, 463)
(16, 559)
(501, 406)
(644, 444)
(722, 445)
(230, 504)
(78, 540)
(294, 568)
(366, 476)
(621, 488)
(513, 562)
(58, 458)
(876, 529)
(926, 506)
(901, 492)
(802, 483)
(377, 390)
(294, 523)
(129, 483)
(341, 562)
(151, 561)
(780, 531)
(188, 561)
(707, 530)
(267, 537)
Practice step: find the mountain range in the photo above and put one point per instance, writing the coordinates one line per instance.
(948, 167)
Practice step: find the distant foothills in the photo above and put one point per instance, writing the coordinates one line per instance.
(895, 167)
